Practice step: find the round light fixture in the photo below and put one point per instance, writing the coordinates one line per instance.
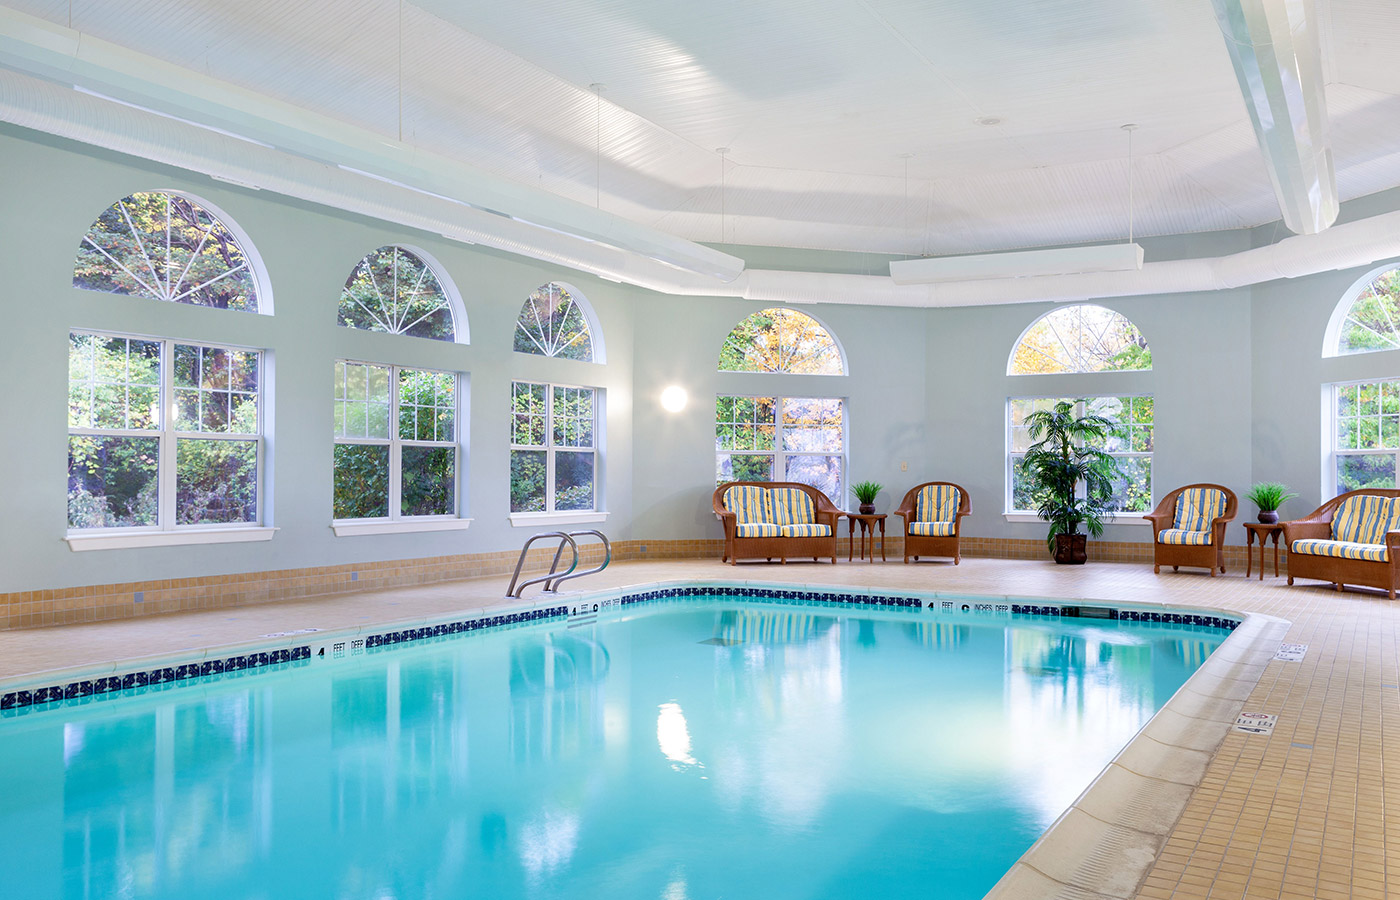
(674, 398)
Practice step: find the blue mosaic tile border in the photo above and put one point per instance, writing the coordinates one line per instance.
(447, 629)
(966, 605)
(774, 596)
(165, 677)
(148, 680)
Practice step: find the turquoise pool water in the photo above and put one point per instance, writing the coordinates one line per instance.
(682, 750)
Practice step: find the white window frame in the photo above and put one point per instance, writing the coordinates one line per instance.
(1013, 458)
(1331, 482)
(166, 531)
(396, 521)
(549, 515)
(780, 461)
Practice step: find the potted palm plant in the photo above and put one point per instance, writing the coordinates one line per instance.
(865, 492)
(1269, 496)
(1068, 451)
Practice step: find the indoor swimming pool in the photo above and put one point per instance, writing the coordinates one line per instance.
(675, 747)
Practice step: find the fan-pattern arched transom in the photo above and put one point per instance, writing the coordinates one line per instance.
(1372, 319)
(553, 322)
(781, 340)
(1080, 338)
(167, 247)
(395, 291)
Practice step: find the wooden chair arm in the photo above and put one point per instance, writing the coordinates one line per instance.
(1306, 529)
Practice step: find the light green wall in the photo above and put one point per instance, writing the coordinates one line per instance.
(1237, 377)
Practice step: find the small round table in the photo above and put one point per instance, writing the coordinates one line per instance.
(1263, 532)
(868, 521)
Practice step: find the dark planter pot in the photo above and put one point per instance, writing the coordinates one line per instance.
(867, 509)
(1071, 549)
(1269, 518)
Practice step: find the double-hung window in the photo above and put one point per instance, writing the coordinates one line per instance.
(553, 448)
(1366, 435)
(1130, 442)
(781, 439)
(396, 449)
(163, 435)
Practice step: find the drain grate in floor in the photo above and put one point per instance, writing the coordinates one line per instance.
(722, 642)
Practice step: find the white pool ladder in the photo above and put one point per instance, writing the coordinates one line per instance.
(553, 578)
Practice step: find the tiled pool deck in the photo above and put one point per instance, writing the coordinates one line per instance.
(1312, 810)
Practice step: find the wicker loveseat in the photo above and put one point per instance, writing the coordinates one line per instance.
(775, 519)
(1354, 538)
(932, 514)
(1188, 527)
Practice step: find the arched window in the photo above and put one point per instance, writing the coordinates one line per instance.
(166, 246)
(1080, 338)
(781, 340)
(557, 322)
(399, 291)
(1368, 317)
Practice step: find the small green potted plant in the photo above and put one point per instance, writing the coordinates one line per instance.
(1269, 496)
(865, 493)
(1068, 451)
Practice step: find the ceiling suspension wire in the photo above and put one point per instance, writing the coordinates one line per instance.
(721, 151)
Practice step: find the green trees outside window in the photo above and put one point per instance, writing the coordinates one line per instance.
(781, 439)
(1366, 438)
(161, 434)
(554, 448)
(1130, 443)
(394, 291)
(1080, 338)
(552, 323)
(395, 442)
(165, 247)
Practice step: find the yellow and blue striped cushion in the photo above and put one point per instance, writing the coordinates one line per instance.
(1340, 549)
(1362, 520)
(1196, 508)
(791, 506)
(757, 529)
(749, 503)
(937, 503)
(807, 530)
(1183, 536)
(933, 529)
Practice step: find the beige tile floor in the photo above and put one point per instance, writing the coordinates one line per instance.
(1312, 810)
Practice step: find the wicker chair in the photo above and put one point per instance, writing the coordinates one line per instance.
(1191, 532)
(1354, 538)
(768, 520)
(932, 528)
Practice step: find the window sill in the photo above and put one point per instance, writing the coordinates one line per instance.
(351, 529)
(531, 520)
(131, 540)
(1115, 519)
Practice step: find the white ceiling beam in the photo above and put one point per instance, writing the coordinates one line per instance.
(1277, 56)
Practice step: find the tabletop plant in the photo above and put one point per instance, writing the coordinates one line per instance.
(1068, 451)
(1269, 496)
(865, 493)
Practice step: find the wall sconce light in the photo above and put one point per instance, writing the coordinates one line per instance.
(674, 398)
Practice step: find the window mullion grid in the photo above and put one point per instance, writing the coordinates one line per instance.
(395, 439)
(549, 448)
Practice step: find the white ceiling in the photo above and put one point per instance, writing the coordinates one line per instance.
(822, 105)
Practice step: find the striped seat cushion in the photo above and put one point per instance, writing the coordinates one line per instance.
(807, 530)
(933, 529)
(1362, 519)
(937, 503)
(1196, 508)
(1183, 536)
(791, 506)
(750, 505)
(757, 529)
(1340, 549)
